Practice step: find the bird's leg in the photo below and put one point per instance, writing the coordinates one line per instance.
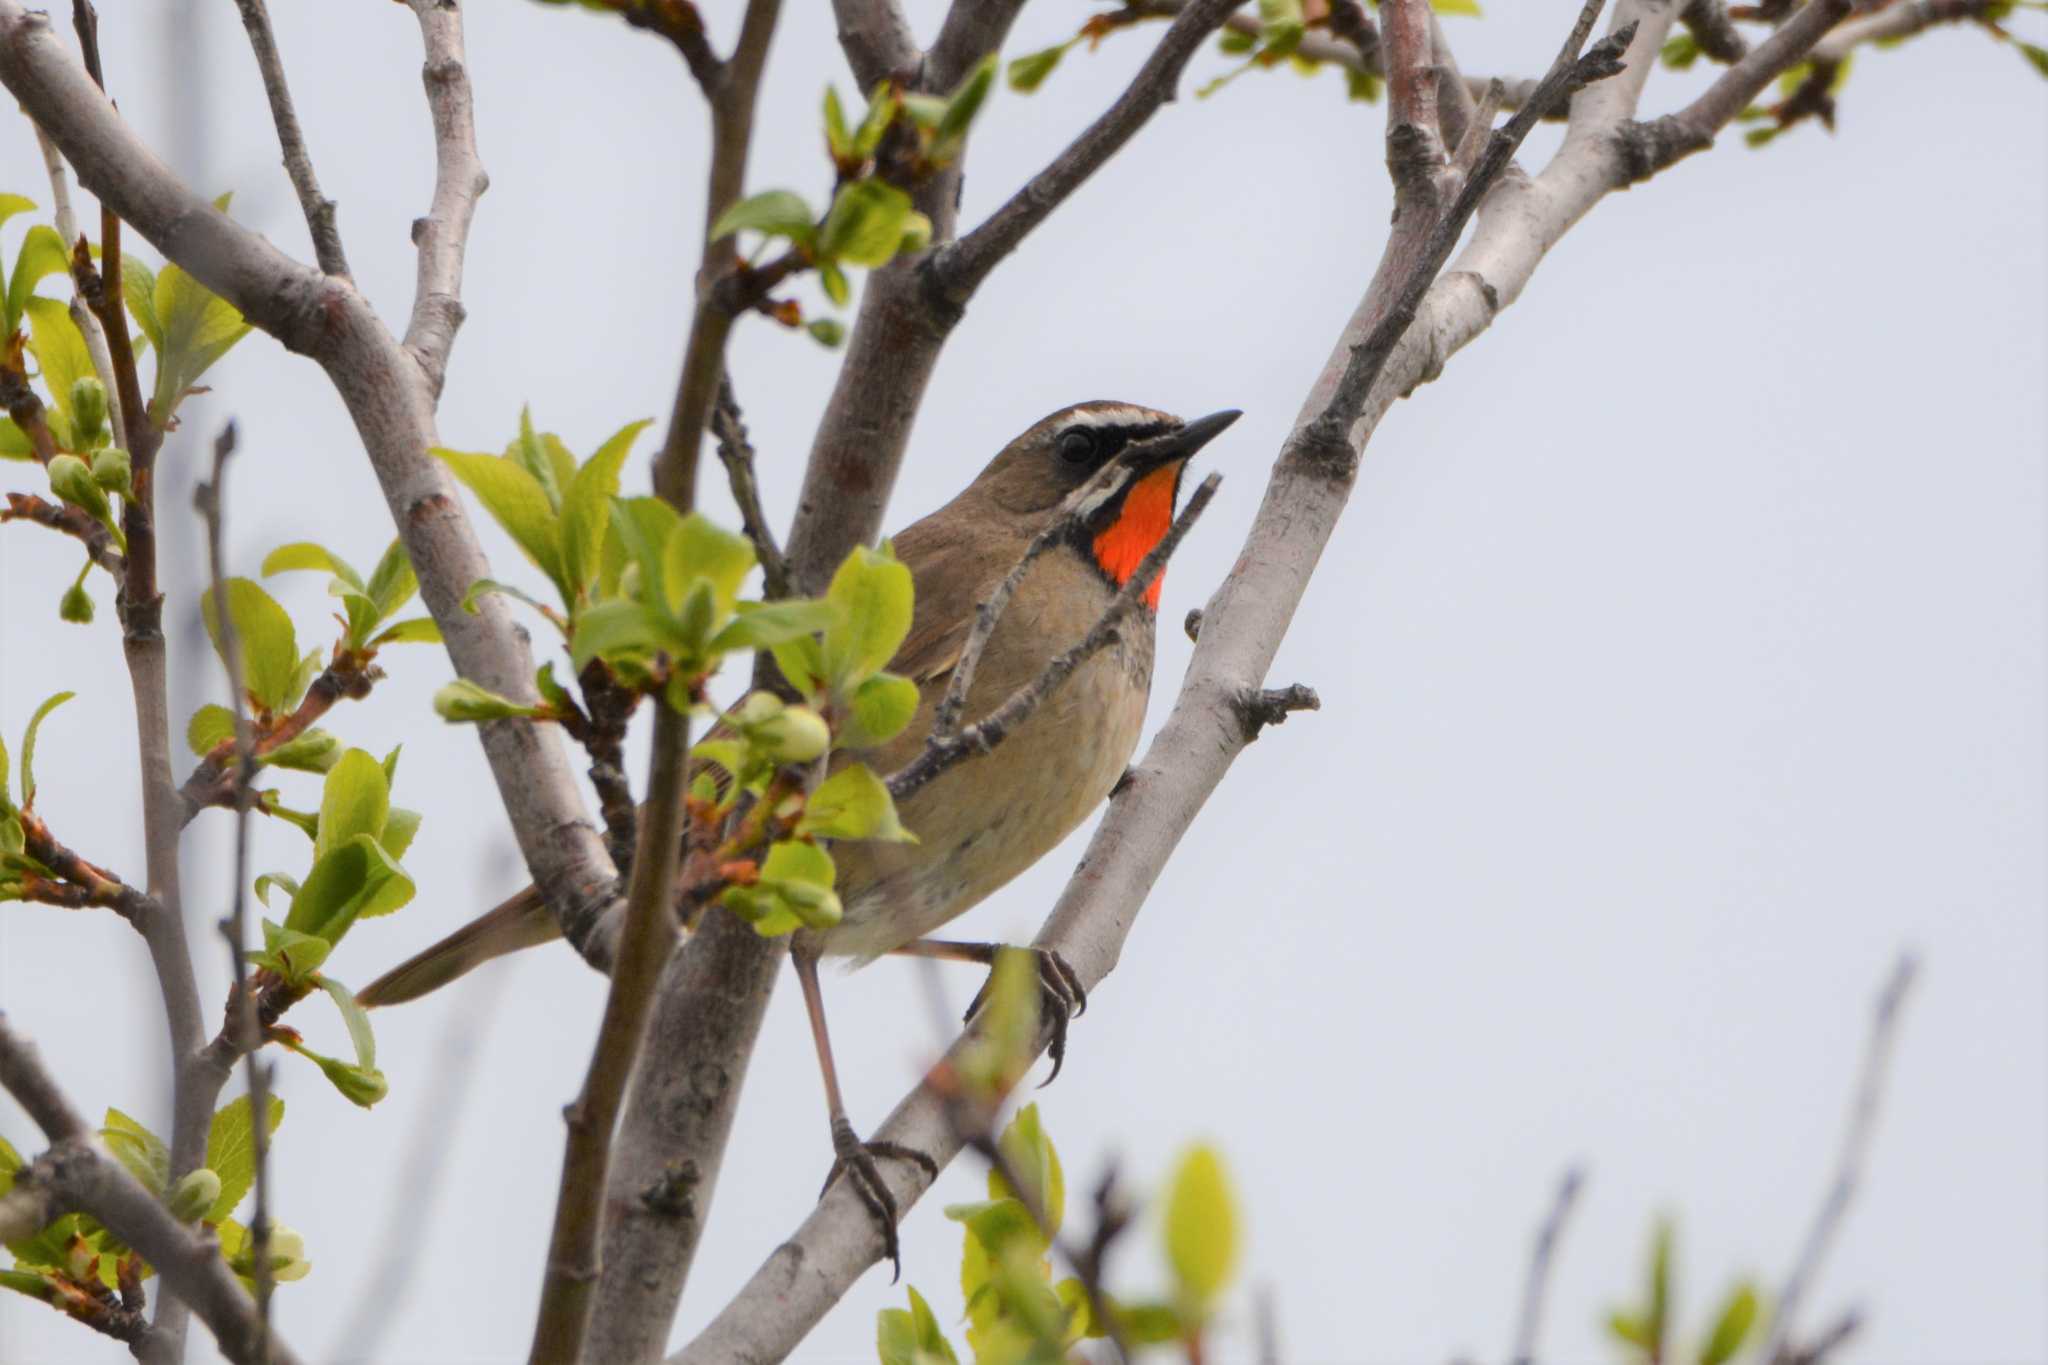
(850, 1154)
(1060, 992)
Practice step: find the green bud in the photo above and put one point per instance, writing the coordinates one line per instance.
(357, 1084)
(72, 480)
(76, 605)
(112, 470)
(917, 233)
(798, 735)
(827, 332)
(817, 906)
(757, 709)
(194, 1195)
(88, 409)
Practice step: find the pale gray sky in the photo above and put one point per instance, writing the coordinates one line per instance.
(1681, 660)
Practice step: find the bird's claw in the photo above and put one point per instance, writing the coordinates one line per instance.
(856, 1159)
(1061, 996)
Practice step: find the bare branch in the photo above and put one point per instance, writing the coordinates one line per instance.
(1529, 1322)
(1711, 28)
(949, 745)
(1896, 21)
(737, 455)
(1860, 1129)
(234, 929)
(298, 163)
(960, 268)
(65, 519)
(1664, 141)
(23, 1076)
(971, 28)
(876, 39)
(1273, 705)
(459, 180)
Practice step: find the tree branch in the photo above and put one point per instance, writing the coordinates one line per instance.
(459, 181)
(298, 163)
(1242, 630)
(75, 1176)
(1529, 1322)
(1849, 1163)
(737, 455)
(1711, 28)
(876, 40)
(65, 519)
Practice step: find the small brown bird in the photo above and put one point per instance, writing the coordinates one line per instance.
(986, 819)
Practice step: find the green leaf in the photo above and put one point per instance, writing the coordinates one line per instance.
(42, 255)
(517, 501)
(270, 647)
(354, 801)
(530, 453)
(305, 555)
(1028, 72)
(1680, 51)
(400, 828)
(836, 288)
(291, 954)
(198, 327)
(392, 583)
(873, 593)
(878, 711)
(28, 744)
(209, 727)
(865, 224)
(614, 630)
(838, 138)
(997, 1224)
(1629, 1329)
(965, 103)
(312, 751)
(1658, 1317)
(420, 630)
(465, 702)
(827, 332)
(801, 662)
(912, 1336)
(1731, 1326)
(2036, 55)
(362, 1086)
(853, 804)
(645, 526)
(586, 507)
(1149, 1324)
(701, 549)
(231, 1151)
(11, 204)
(351, 880)
(1201, 1227)
(762, 625)
(140, 1150)
(801, 875)
(356, 1017)
(290, 885)
(59, 349)
(14, 442)
(1469, 8)
(484, 587)
(1037, 1162)
(773, 213)
(138, 287)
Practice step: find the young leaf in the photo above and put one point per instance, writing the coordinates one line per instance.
(464, 702)
(773, 213)
(912, 1336)
(865, 224)
(878, 711)
(616, 629)
(853, 804)
(1201, 1227)
(530, 453)
(1031, 1153)
(965, 103)
(138, 287)
(198, 327)
(1731, 1327)
(701, 549)
(420, 630)
(762, 625)
(209, 727)
(270, 647)
(356, 1017)
(312, 751)
(59, 349)
(231, 1151)
(305, 555)
(586, 507)
(354, 801)
(392, 583)
(400, 828)
(140, 1150)
(1028, 72)
(289, 885)
(873, 594)
(352, 880)
(28, 744)
(42, 255)
(517, 501)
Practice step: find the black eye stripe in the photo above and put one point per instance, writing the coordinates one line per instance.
(1106, 441)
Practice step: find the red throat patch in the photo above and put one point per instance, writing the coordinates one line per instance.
(1143, 520)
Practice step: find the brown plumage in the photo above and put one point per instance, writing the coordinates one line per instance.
(986, 819)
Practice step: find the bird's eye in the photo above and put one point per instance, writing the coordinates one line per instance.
(1077, 445)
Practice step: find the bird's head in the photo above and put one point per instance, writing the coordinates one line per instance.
(1123, 514)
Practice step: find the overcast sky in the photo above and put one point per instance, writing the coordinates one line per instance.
(1681, 660)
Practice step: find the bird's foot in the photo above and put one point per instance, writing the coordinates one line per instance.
(1061, 998)
(856, 1160)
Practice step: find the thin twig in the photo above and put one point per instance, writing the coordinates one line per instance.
(943, 751)
(737, 455)
(209, 498)
(298, 164)
(65, 519)
(211, 782)
(1850, 1160)
(1529, 1322)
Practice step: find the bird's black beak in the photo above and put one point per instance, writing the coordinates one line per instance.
(1179, 445)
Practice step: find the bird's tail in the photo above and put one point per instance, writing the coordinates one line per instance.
(521, 922)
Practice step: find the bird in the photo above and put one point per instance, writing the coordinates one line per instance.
(984, 820)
